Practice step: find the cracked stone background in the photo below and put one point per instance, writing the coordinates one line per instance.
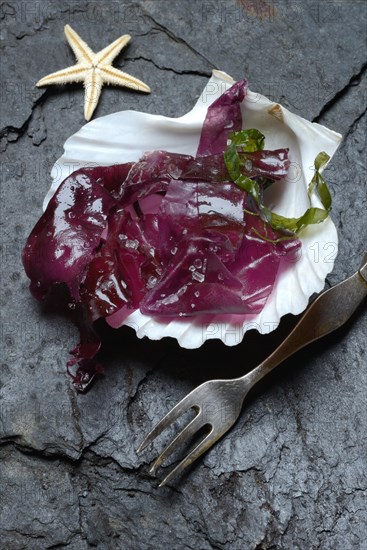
(291, 473)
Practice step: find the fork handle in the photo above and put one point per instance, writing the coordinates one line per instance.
(327, 313)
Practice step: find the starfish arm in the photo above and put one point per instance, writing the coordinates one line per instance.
(113, 76)
(93, 87)
(80, 48)
(108, 54)
(76, 73)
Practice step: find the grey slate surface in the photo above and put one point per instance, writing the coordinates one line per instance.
(291, 474)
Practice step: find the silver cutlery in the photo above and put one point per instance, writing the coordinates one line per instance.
(218, 403)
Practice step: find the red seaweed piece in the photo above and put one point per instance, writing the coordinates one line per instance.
(220, 263)
(223, 117)
(65, 239)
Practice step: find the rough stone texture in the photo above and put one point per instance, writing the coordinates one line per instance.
(290, 474)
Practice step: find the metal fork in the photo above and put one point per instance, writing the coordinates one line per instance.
(218, 403)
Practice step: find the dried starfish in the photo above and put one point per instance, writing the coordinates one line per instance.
(94, 69)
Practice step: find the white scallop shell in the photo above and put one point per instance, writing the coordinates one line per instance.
(125, 136)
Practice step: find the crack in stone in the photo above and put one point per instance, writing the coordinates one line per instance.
(22, 534)
(354, 81)
(138, 472)
(90, 446)
(40, 453)
(354, 124)
(183, 72)
(76, 415)
(177, 39)
(41, 18)
(135, 394)
(80, 518)
(19, 132)
(63, 544)
(87, 455)
(142, 380)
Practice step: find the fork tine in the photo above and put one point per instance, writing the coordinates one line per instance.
(185, 433)
(200, 449)
(170, 417)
